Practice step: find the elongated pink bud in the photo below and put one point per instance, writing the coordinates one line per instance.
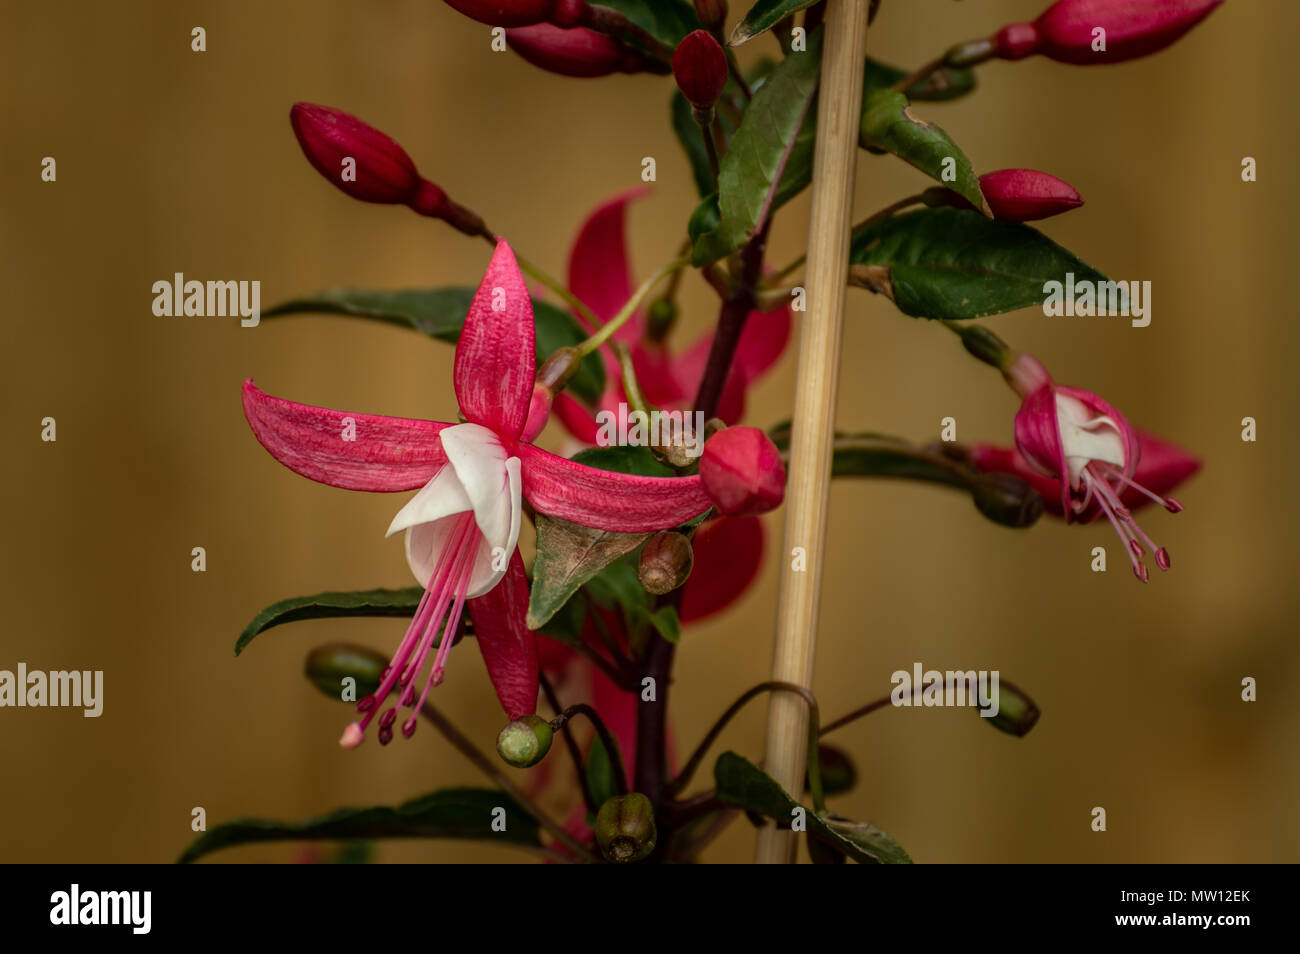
(1024, 195)
(742, 472)
(700, 68)
(1089, 32)
(366, 164)
(517, 13)
(573, 52)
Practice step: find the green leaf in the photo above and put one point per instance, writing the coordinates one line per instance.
(599, 772)
(451, 813)
(888, 124)
(440, 313)
(944, 84)
(332, 605)
(624, 459)
(758, 153)
(745, 785)
(567, 557)
(955, 263)
(617, 585)
(666, 622)
(666, 20)
(764, 15)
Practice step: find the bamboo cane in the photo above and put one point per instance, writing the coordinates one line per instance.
(838, 114)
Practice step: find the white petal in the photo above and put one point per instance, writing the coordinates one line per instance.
(494, 552)
(1085, 438)
(440, 497)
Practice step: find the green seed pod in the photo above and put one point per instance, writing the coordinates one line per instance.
(1017, 713)
(1007, 499)
(328, 666)
(625, 828)
(525, 741)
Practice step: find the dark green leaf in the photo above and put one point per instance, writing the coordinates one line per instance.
(745, 785)
(567, 557)
(617, 585)
(599, 772)
(943, 84)
(888, 123)
(440, 313)
(331, 605)
(666, 20)
(451, 813)
(758, 153)
(955, 263)
(764, 15)
(666, 623)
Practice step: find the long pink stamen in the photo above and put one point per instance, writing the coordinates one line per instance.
(449, 582)
(1096, 478)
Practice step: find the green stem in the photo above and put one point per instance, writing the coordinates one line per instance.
(570, 743)
(869, 221)
(604, 332)
(550, 281)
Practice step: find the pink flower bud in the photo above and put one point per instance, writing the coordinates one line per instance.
(1067, 30)
(573, 52)
(700, 68)
(1023, 195)
(518, 13)
(742, 472)
(330, 138)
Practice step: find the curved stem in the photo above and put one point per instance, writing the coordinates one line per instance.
(550, 281)
(484, 764)
(603, 333)
(774, 685)
(570, 743)
(606, 738)
(869, 221)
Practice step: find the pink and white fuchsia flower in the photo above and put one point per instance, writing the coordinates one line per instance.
(1074, 436)
(463, 525)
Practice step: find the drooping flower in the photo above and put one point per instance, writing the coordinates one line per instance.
(601, 276)
(1090, 452)
(463, 524)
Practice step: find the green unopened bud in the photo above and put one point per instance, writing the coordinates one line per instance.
(839, 775)
(328, 667)
(1007, 499)
(559, 368)
(660, 318)
(1017, 713)
(986, 346)
(666, 561)
(525, 741)
(625, 828)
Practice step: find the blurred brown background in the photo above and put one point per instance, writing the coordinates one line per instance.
(170, 161)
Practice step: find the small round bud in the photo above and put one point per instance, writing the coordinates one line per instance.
(1017, 713)
(742, 472)
(625, 828)
(525, 741)
(700, 68)
(1007, 499)
(839, 774)
(665, 563)
(328, 666)
(660, 318)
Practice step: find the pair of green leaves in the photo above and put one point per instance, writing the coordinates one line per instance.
(440, 313)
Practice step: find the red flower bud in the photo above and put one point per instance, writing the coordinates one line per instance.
(712, 14)
(328, 137)
(700, 68)
(1065, 31)
(517, 13)
(366, 164)
(573, 52)
(742, 472)
(1023, 195)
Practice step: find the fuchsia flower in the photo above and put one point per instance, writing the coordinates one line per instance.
(601, 276)
(463, 524)
(1091, 454)
(1065, 31)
